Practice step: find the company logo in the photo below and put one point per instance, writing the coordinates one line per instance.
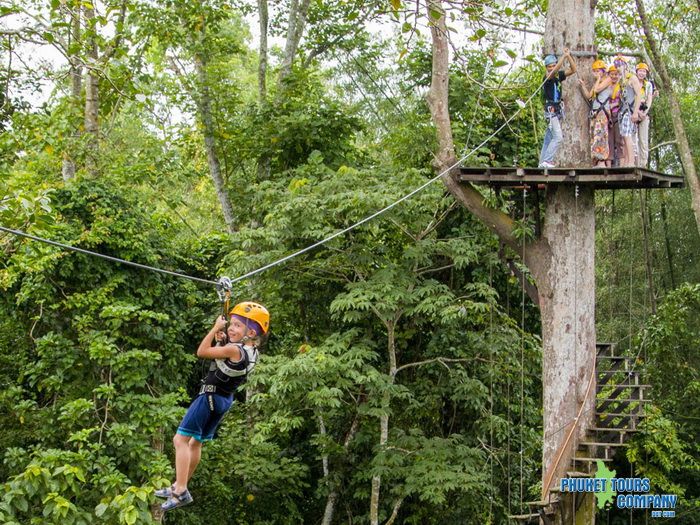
(625, 493)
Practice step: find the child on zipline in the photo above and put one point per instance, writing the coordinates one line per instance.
(232, 359)
(551, 90)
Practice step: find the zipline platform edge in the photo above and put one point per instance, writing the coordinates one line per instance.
(598, 178)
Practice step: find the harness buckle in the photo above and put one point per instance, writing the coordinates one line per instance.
(207, 389)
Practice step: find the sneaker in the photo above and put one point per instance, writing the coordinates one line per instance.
(177, 500)
(164, 493)
(547, 165)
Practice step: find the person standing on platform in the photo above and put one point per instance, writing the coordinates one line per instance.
(599, 97)
(614, 138)
(647, 93)
(553, 108)
(630, 100)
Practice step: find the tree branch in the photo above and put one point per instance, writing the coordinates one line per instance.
(442, 360)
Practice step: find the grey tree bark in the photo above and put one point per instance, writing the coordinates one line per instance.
(562, 259)
(295, 29)
(92, 98)
(684, 150)
(332, 500)
(383, 422)
(262, 55)
(76, 76)
(203, 98)
(263, 168)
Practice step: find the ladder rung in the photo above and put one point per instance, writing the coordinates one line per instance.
(592, 460)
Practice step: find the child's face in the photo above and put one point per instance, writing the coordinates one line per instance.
(641, 74)
(237, 331)
(615, 76)
(550, 67)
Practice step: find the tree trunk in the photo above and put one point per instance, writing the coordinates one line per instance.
(332, 499)
(75, 72)
(92, 99)
(686, 154)
(262, 60)
(295, 29)
(204, 109)
(263, 168)
(383, 423)
(566, 276)
(562, 260)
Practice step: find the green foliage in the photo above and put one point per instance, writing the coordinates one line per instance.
(409, 319)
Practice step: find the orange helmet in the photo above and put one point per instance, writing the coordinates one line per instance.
(253, 312)
(598, 64)
(642, 65)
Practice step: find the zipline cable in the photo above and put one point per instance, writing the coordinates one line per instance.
(103, 256)
(390, 206)
(303, 250)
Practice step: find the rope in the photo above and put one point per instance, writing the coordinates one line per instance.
(20, 233)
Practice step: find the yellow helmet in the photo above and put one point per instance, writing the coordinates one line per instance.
(612, 68)
(642, 65)
(253, 312)
(598, 64)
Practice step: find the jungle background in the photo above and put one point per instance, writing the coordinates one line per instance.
(212, 138)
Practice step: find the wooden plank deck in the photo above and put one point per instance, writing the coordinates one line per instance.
(598, 178)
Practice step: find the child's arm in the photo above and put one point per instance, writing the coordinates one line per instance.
(207, 351)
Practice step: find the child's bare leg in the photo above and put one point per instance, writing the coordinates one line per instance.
(195, 456)
(182, 462)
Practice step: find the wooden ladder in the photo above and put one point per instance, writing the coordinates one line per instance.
(620, 400)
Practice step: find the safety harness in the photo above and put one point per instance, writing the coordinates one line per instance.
(225, 375)
(553, 105)
(593, 113)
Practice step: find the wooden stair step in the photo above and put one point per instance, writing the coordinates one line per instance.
(541, 503)
(577, 474)
(612, 429)
(621, 386)
(591, 460)
(618, 414)
(614, 357)
(525, 517)
(629, 373)
(623, 400)
(596, 444)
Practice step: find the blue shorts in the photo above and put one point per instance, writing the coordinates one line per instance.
(204, 415)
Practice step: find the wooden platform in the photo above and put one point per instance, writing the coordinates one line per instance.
(598, 178)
